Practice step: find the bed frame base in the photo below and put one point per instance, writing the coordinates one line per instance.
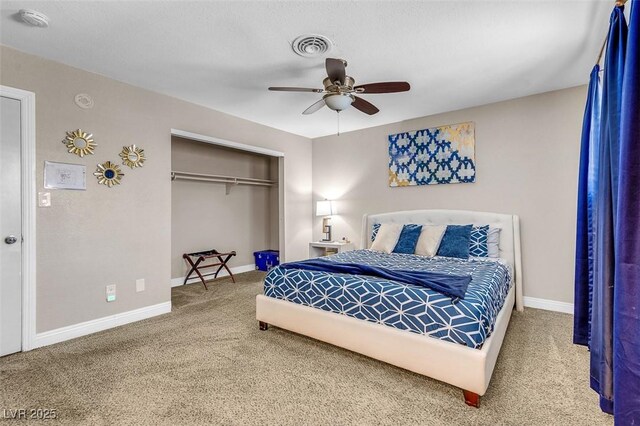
(463, 367)
(263, 325)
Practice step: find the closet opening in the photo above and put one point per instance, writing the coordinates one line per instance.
(225, 196)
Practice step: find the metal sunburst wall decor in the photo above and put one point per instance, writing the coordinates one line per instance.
(79, 143)
(108, 174)
(132, 156)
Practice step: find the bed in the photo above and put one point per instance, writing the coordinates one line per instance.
(413, 328)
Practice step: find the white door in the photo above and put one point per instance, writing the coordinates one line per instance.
(10, 228)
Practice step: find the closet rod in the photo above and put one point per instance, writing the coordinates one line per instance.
(239, 182)
(221, 179)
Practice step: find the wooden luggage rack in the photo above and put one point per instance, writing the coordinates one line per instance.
(201, 257)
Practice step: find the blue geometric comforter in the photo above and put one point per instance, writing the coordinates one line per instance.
(469, 321)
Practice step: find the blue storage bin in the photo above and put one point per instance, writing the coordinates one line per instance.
(266, 259)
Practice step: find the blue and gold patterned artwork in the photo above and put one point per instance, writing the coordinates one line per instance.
(433, 156)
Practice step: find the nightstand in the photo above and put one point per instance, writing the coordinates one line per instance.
(325, 248)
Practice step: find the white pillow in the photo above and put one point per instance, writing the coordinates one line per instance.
(430, 239)
(387, 237)
(493, 242)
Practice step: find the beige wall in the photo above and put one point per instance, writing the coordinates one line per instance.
(203, 216)
(89, 239)
(527, 153)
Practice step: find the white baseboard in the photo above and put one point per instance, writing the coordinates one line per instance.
(237, 270)
(99, 324)
(548, 305)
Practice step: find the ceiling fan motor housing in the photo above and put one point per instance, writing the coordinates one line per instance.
(330, 86)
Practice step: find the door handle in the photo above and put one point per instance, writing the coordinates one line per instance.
(11, 239)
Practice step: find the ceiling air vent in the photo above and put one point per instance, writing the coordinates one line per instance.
(311, 45)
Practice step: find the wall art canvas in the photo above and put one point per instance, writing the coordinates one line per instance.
(433, 156)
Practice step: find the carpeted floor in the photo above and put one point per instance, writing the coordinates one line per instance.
(207, 363)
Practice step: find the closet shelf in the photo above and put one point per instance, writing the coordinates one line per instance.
(229, 181)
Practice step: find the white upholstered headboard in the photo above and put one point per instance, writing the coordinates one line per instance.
(509, 233)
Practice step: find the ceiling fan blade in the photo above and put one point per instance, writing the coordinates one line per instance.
(364, 106)
(295, 89)
(335, 70)
(386, 87)
(313, 108)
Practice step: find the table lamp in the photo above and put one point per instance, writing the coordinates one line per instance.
(325, 208)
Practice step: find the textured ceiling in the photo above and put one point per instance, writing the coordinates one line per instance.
(224, 54)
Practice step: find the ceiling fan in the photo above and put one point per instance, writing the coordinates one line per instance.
(340, 92)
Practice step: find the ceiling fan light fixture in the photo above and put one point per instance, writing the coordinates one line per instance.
(338, 101)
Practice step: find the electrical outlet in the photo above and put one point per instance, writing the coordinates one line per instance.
(139, 285)
(111, 293)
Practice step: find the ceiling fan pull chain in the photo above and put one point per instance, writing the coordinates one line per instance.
(338, 112)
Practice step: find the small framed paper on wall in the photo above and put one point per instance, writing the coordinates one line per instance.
(65, 176)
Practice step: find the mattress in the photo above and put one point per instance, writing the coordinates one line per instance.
(467, 321)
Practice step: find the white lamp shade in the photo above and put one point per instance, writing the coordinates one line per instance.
(338, 102)
(325, 208)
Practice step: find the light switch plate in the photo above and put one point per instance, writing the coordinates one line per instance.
(140, 285)
(44, 199)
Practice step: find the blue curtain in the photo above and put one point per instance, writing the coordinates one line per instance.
(626, 320)
(601, 342)
(607, 274)
(586, 197)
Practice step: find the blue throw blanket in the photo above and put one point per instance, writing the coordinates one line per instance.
(454, 286)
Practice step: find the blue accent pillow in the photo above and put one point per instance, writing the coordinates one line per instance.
(478, 244)
(455, 242)
(408, 239)
(374, 231)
